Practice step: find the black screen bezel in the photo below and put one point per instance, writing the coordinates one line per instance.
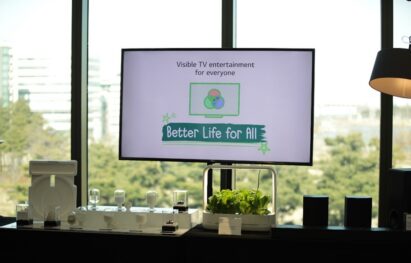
(228, 160)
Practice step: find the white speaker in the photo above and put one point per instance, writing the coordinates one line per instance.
(52, 188)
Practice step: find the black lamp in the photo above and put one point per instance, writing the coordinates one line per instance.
(392, 72)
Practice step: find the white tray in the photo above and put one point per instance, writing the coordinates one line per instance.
(249, 222)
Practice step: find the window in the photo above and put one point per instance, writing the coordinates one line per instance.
(346, 36)
(35, 70)
(35, 91)
(114, 25)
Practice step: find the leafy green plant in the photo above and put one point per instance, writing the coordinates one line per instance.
(239, 202)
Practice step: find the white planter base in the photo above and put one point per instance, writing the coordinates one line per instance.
(249, 222)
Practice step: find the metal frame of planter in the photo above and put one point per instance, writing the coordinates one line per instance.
(242, 167)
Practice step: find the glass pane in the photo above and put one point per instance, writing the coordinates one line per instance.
(346, 38)
(114, 25)
(402, 107)
(35, 91)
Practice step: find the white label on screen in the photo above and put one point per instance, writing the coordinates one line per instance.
(244, 106)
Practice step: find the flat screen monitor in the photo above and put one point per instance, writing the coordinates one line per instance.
(217, 105)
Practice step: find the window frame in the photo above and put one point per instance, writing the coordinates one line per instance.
(386, 118)
(79, 89)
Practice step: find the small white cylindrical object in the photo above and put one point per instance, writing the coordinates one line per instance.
(22, 212)
(94, 196)
(52, 213)
(71, 218)
(151, 199)
(141, 219)
(119, 197)
(180, 198)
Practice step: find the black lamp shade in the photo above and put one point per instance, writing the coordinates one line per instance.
(392, 72)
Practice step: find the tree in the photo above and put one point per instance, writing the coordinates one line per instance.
(26, 137)
(352, 169)
(293, 183)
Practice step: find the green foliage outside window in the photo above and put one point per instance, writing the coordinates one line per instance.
(26, 137)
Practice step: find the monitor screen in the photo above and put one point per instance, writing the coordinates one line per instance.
(217, 105)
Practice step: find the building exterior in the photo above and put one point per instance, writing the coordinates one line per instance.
(46, 84)
(5, 75)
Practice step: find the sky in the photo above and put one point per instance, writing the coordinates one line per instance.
(27, 25)
(344, 33)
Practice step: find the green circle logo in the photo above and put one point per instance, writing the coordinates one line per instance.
(214, 100)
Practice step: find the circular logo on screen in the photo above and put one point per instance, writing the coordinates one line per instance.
(214, 100)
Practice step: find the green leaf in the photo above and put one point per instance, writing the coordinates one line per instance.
(239, 202)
